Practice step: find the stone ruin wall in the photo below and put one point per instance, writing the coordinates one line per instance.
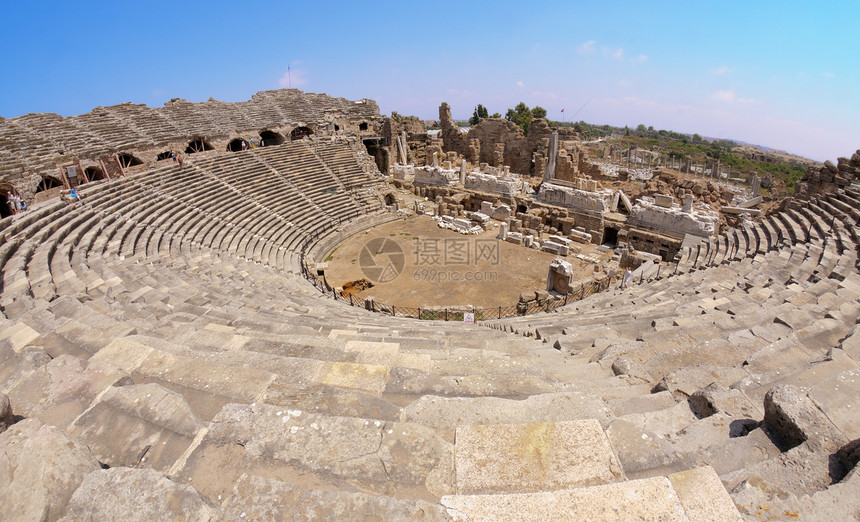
(827, 178)
(35, 146)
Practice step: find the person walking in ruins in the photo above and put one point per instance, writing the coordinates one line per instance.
(10, 200)
(179, 160)
(625, 282)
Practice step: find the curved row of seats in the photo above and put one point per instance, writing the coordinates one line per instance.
(163, 308)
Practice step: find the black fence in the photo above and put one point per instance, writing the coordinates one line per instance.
(438, 313)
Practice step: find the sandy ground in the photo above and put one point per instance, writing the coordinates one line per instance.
(412, 262)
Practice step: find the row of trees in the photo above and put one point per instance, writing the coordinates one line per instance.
(521, 115)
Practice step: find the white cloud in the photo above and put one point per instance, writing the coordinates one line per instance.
(586, 47)
(641, 58)
(828, 74)
(729, 97)
(724, 96)
(520, 84)
(721, 70)
(546, 95)
(614, 52)
(293, 78)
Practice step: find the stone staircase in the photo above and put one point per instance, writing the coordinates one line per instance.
(157, 338)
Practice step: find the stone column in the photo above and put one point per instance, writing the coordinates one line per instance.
(688, 204)
(552, 153)
(463, 172)
(755, 184)
(503, 232)
(403, 157)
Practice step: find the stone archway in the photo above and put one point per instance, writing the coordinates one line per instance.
(300, 132)
(237, 145)
(197, 145)
(94, 173)
(128, 160)
(166, 155)
(269, 138)
(5, 210)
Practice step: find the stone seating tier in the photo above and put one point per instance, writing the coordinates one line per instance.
(146, 330)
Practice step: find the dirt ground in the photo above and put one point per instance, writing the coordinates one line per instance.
(414, 263)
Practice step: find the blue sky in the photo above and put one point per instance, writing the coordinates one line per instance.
(780, 74)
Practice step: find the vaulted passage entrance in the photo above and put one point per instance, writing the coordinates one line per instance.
(127, 160)
(198, 145)
(375, 147)
(299, 133)
(94, 173)
(268, 138)
(237, 145)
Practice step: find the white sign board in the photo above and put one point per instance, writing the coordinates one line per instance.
(71, 172)
(469, 317)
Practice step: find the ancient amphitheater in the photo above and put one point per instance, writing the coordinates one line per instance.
(165, 357)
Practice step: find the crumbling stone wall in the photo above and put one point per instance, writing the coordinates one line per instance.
(828, 178)
(498, 142)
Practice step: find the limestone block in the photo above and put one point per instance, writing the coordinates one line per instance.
(20, 335)
(550, 407)
(717, 398)
(643, 453)
(136, 494)
(703, 495)
(533, 457)
(144, 424)
(377, 456)
(257, 498)
(796, 419)
(645, 499)
(6, 416)
(59, 391)
(40, 467)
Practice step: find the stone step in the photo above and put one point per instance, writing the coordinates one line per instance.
(696, 494)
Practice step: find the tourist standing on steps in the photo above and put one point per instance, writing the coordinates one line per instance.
(179, 160)
(627, 275)
(10, 200)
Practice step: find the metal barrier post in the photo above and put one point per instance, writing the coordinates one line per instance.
(500, 312)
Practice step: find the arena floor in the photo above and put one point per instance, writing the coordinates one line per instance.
(414, 263)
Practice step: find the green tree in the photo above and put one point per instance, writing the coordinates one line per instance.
(539, 112)
(640, 127)
(697, 138)
(495, 115)
(480, 112)
(521, 115)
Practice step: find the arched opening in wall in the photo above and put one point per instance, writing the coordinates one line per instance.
(299, 133)
(376, 148)
(5, 209)
(127, 160)
(362, 126)
(197, 145)
(390, 200)
(269, 138)
(336, 127)
(94, 173)
(48, 183)
(166, 155)
(610, 237)
(522, 209)
(237, 145)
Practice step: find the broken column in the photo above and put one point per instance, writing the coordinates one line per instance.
(688, 204)
(559, 277)
(463, 172)
(755, 184)
(549, 172)
(503, 232)
(403, 157)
